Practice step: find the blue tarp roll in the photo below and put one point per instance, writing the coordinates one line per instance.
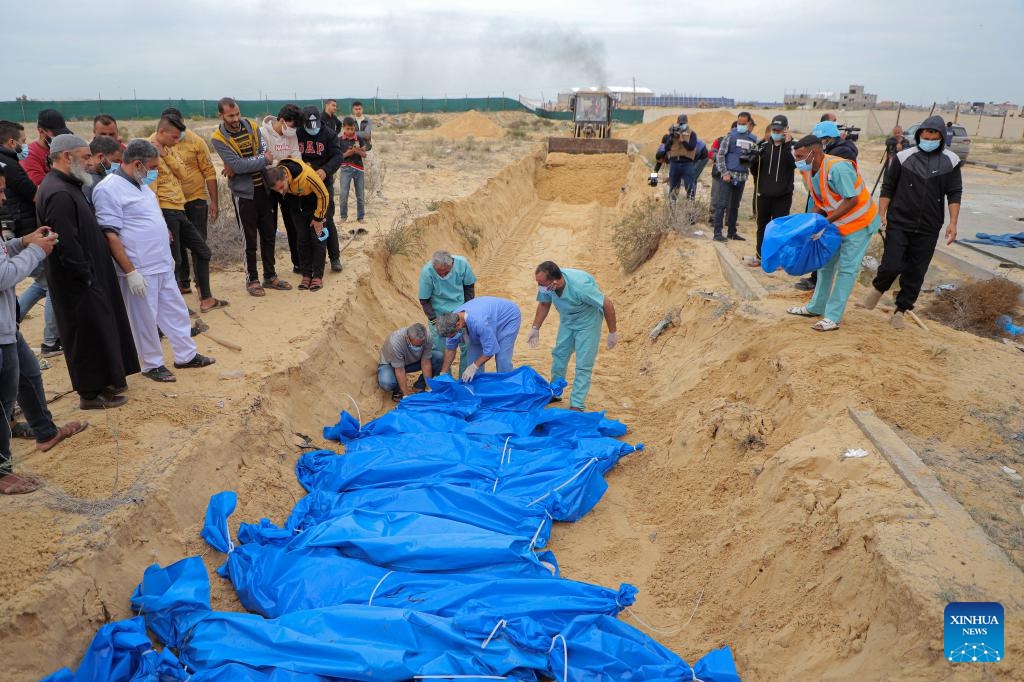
(788, 243)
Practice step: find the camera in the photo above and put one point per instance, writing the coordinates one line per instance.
(674, 130)
(852, 132)
(748, 152)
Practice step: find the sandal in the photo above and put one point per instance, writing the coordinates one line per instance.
(801, 311)
(18, 484)
(825, 325)
(276, 283)
(160, 374)
(255, 289)
(316, 284)
(217, 303)
(304, 284)
(196, 362)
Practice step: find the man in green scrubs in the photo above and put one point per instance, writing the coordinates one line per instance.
(581, 308)
(446, 283)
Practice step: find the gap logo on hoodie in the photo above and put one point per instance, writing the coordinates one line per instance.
(311, 147)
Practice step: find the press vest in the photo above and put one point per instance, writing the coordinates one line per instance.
(827, 200)
(676, 150)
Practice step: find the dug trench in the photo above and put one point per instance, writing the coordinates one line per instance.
(741, 523)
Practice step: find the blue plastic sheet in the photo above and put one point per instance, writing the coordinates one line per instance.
(121, 652)
(788, 243)
(1011, 241)
(215, 528)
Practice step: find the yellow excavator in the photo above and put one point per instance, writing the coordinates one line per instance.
(591, 126)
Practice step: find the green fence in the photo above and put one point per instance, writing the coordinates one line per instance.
(122, 109)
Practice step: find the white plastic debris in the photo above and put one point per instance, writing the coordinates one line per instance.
(855, 453)
(698, 233)
(870, 262)
(1012, 473)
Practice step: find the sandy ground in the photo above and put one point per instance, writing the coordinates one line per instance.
(741, 525)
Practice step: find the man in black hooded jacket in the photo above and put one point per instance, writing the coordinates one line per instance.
(320, 148)
(912, 213)
(773, 170)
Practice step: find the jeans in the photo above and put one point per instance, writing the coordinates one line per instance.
(684, 172)
(387, 380)
(727, 210)
(349, 176)
(311, 250)
(198, 213)
(27, 390)
(907, 255)
(258, 223)
(187, 238)
(37, 291)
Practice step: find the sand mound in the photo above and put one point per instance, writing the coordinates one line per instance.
(583, 178)
(470, 124)
(707, 124)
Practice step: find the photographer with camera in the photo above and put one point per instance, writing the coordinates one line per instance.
(773, 171)
(735, 155)
(681, 152)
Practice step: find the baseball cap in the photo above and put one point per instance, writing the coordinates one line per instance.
(780, 122)
(826, 129)
(311, 117)
(682, 118)
(51, 120)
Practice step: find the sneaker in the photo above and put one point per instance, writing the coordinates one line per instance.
(804, 284)
(336, 265)
(720, 238)
(197, 361)
(102, 402)
(737, 238)
(49, 351)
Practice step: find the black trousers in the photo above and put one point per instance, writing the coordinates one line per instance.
(907, 255)
(198, 213)
(333, 248)
(287, 207)
(186, 238)
(258, 224)
(312, 251)
(767, 209)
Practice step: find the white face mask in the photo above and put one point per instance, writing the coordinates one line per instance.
(289, 131)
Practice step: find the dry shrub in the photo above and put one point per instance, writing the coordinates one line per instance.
(975, 307)
(374, 176)
(223, 236)
(404, 237)
(637, 236)
(425, 122)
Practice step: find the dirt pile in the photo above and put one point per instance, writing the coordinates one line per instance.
(470, 124)
(741, 523)
(582, 178)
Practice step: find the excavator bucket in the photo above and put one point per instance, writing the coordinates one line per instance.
(585, 145)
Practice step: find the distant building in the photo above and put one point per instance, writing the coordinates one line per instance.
(627, 96)
(853, 98)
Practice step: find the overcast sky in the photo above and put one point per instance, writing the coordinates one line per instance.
(901, 50)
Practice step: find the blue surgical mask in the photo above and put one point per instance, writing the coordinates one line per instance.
(23, 152)
(150, 177)
(778, 136)
(311, 131)
(684, 126)
(804, 165)
(929, 145)
(740, 128)
(113, 167)
(415, 349)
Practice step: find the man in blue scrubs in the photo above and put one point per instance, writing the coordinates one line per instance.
(489, 325)
(581, 308)
(446, 282)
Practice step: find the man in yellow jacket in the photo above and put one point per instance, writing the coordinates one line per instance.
(199, 184)
(839, 193)
(309, 211)
(184, 235)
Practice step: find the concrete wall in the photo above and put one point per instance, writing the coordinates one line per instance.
(871, 122)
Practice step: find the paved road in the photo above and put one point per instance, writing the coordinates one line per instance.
(994, 203)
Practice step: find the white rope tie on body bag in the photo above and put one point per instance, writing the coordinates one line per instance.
(574, 477)
(359, 413)
(377, 587)
(501, 462)
(565, 653)
(500, 624)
